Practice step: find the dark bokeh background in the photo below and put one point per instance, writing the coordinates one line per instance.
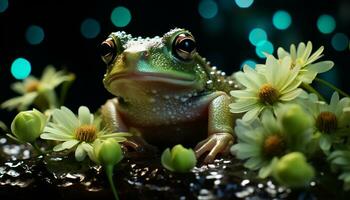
(222, 39)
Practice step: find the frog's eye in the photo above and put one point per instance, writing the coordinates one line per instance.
(107, 50)
(184, 47)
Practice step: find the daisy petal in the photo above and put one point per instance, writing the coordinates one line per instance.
(243, 106)
(80, 153)
(291, 95)
(281, 53)
(315, 56)
(84, 115)
(245, 81)
(321, 67)
(252, 114)
(243, 94)
(50, 136)
(59, 116)
(65, 145)
(325, 142)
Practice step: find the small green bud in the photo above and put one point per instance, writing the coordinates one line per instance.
(28, 125)
(292, 170)
(295, 120)
(108, 152)
(179, 159)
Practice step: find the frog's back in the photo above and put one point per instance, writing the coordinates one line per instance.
(217, 79)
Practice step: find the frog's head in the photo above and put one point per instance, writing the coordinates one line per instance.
(138, 65)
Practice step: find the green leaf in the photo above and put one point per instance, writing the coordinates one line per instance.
(166, 159)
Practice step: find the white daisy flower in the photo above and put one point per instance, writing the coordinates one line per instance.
(278, 84)
(77, 132)
(32, 89)
(330, 120)
(341, 159)
(303, 58)
(259, 143)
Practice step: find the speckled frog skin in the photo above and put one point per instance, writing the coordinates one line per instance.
(166, 93)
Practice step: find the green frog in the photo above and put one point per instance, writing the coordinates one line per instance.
(166, 93)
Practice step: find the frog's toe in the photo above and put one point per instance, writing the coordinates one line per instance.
(130, 144)
(138, 144)
(217, 143)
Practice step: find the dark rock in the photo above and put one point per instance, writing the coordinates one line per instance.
(23, 175)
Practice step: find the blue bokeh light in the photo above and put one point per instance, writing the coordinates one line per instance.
(21, 68)
(244, 3)
(250, 63)
(281, 20)
(340, 41)
(90, 28)
(35, 34)
(326, 24)
(264, 47)
(120, 16)
(257, 35)
(208, 9)
(4, 4)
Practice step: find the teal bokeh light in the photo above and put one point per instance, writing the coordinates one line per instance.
(208, 9)
(4, 4)
(20, 68)
(90, 28)
(120, 16)
(244, 3)
(257, 35)
(35, 34)
(281, 20)
(264, 47)
(250, 63)
(326, 24)
(340, 41)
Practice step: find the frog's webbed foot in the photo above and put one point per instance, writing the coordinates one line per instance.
(218, 143)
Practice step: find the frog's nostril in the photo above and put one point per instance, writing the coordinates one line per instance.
(145, 54)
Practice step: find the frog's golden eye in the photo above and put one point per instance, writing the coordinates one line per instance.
(107, 50)
(184, 47)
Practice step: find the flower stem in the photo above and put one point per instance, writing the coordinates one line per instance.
(330, 85)
(109, 173)
(309, 88)
(37, 148)
(65, 87)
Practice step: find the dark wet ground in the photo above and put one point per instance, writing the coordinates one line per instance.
(56, 177)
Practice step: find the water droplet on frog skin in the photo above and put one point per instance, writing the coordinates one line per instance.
(209, 82)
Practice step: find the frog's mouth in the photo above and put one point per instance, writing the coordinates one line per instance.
(120, 80)
(153, 77)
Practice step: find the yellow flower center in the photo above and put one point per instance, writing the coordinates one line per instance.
(267, 94)
(326, 122)
(86, 133)
(274, 145)
(32, 86)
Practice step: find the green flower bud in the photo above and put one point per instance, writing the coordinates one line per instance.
(28, 125)
(295, 120)
(292, 170)
(108, 152)
(179, 159)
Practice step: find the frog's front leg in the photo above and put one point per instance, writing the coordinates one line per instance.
(113, 121)
(220, 129)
